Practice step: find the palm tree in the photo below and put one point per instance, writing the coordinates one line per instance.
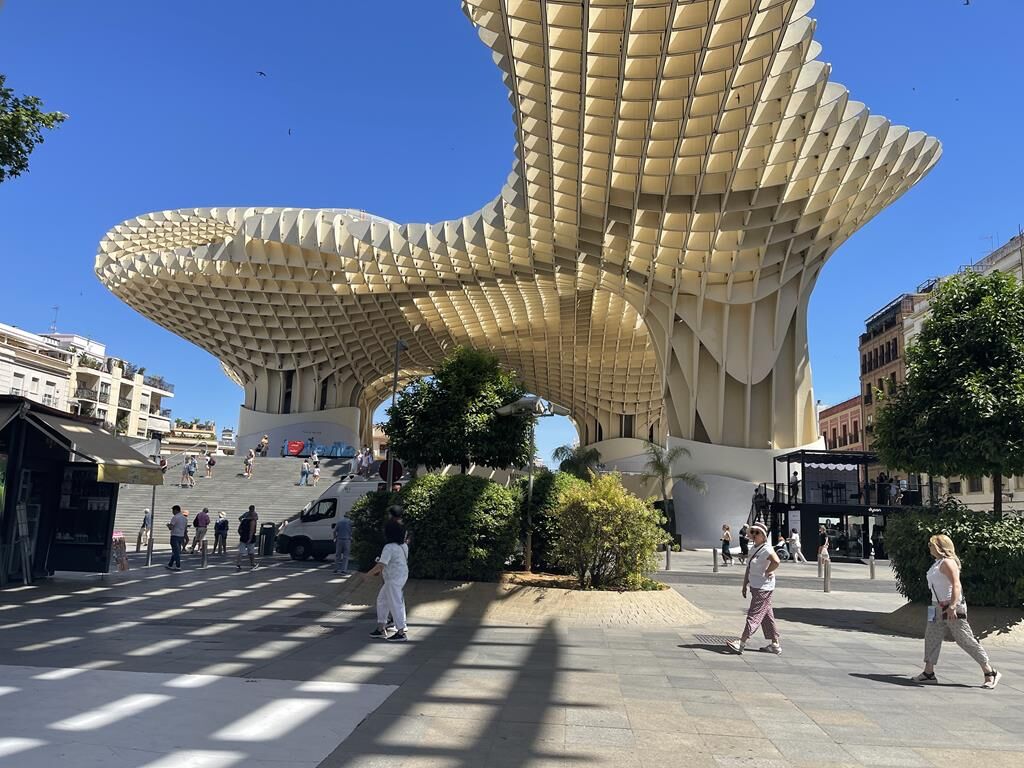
(577, 461)
(659, 467)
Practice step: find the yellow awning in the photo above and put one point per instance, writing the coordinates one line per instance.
(116, 462)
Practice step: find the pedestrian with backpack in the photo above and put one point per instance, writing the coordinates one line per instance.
(393, 565)
(220, 535)
(201, 524)
(247, 537)
(210, 464)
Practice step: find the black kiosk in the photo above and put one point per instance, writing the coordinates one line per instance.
(832, 488)
(59, 478)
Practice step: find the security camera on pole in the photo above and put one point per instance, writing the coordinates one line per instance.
(537, 408)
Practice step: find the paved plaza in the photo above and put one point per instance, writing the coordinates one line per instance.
(214, 668)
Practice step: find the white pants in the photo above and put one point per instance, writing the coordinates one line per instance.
(391, 600)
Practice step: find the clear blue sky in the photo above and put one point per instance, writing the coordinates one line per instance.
(396, 108)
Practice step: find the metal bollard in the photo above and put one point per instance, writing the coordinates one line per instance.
(821, 567)
(668, 557)
(828, 575)
(202, 546)
(871, 566)
(714, 559)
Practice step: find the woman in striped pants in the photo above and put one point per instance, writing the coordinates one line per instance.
(760, 577)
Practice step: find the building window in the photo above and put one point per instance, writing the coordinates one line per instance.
(892, 382)
(974, 485)
(845, 437)
(875, 356)
(887, 352)
(856, 431)
(863, 364)
(955, 488)
(34, 386)
(895, 350)
(1018, 482)
(626, 426)
(867, 393)
(834, 441)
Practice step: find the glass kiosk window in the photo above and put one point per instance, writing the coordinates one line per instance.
(83, 523)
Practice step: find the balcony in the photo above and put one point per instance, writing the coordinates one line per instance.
(162, 413)
(84, 393)
(157, 382)
(124, 402)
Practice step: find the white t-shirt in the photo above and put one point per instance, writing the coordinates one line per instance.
(939, 583)
(758, 562)
(395, 559)
(178, 524)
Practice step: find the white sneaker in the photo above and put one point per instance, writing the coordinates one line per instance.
(772, 648)
(735, 646)
(926, 678)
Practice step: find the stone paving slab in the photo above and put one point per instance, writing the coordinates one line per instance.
(472, 691)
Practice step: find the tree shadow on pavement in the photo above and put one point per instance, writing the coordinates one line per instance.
(846, 619)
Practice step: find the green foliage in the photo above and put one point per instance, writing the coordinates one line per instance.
(989, 548)
(450, 417)
(961, 411)
(462, 527)
(22, 122)
(369, 513)
(548, 489)
(577, 461)
(607, 537)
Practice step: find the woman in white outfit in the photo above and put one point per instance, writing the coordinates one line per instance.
(796, 547)
(393, 563)
(948, 611)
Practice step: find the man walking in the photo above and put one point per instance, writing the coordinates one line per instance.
(342, 545)
(201, 523)
(146, 530)
(304, 473)
(760, 577)
(247, 537)
(177, 525)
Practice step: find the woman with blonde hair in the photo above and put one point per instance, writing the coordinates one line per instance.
(948, 610)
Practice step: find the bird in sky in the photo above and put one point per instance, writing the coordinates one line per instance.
(261, 73)
(289, 131)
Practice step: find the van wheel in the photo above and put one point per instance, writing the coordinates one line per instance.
(300, 549)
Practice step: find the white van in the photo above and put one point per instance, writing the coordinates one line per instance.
(311, 532)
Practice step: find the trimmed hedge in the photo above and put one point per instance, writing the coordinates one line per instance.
(461, 527)
(548, 489)
(368, 515)
(990, 549)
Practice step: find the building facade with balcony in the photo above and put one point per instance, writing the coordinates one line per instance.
(115, 391)
(190, 437)
(35, 367)
(840, 425)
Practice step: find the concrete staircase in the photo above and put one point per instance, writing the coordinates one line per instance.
(272, 488)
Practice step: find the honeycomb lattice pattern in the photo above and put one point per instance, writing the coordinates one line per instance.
(683, 171)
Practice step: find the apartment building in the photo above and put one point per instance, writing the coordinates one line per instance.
(840, 425)
(115, 391)
(34, 366)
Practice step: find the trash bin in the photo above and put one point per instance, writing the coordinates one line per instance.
(268, 532)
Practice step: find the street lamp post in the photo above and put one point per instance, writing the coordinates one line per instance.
(537, 408)
(399, 347)
(152, 508)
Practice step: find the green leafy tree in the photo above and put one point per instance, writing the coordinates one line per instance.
(660, 462)
(577, 460)
(961, 410)
(548, 489)
(607, 537)
(451, 417)
(22, 122)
